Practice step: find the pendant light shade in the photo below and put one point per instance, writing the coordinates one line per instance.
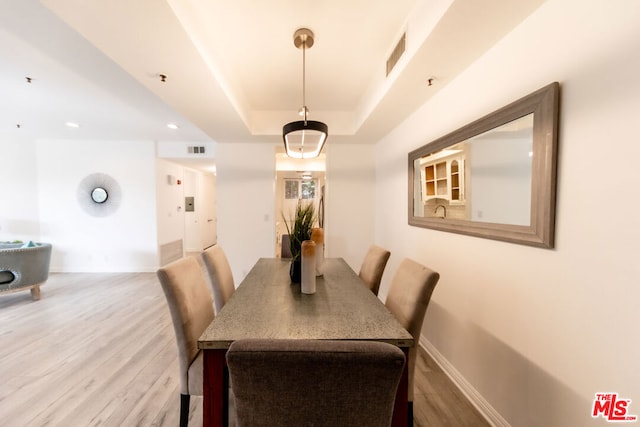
(304, 139)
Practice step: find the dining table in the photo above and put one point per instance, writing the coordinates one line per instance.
(267, 304)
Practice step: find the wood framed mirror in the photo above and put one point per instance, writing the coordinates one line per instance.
(493, 178)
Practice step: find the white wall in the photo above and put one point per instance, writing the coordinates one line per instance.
(123, 241)
(207, 216)
(196, 229)
(538, 332)
(192, 233)
(19, 209)
(170, 201)
(245, 203)
(38, 184)
(349, 204)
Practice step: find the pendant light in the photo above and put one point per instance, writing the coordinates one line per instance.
(304, 139)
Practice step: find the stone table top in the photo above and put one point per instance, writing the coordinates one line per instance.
(268, 305)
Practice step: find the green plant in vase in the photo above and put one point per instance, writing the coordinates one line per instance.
(299, 229)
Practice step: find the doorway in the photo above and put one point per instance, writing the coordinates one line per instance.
(297, 180)
(200, 231)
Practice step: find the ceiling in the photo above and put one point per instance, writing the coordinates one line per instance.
(232, 71)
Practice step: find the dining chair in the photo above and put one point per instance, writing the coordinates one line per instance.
(314, 382)
(407, 300)
(220, 275)
(373, 267)
(191, 307)
(285, 247)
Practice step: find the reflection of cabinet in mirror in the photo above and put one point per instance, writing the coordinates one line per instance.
(435, 180)
(444, 179)
(455, 174)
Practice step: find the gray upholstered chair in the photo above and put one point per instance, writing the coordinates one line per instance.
(314, 382)
(191, 307)
(373, 267)
(24, 267)
(220, 275)
(408, 298)
(285, 247)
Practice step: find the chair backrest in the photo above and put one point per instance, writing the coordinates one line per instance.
(220, 275)
(408, 298)
(373, 267)
(191, 308)
(314, 382)
(285, 247)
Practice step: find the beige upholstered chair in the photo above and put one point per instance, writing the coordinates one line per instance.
(220, 276)
(314, 382)
(191, 307)
(373, 267)
(408, 298)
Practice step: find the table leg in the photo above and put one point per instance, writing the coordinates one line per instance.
(400, 416)
(215, 405)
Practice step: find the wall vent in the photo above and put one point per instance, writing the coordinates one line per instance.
(195, 149)
(397, 53)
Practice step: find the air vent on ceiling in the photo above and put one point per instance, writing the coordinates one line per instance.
(195, 149)
(396, 54)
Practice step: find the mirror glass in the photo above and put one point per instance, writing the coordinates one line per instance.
(493, 178)
(485, 178)
(99, 195)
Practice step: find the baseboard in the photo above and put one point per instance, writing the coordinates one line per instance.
(486, 410)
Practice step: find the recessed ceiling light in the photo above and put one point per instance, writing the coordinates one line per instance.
(72, 125)
(173, 126)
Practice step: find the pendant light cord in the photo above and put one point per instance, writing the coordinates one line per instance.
(304, 104)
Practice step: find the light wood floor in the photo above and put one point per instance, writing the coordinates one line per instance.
(99, 349)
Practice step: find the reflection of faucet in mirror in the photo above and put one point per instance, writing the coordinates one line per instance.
(444, 208)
